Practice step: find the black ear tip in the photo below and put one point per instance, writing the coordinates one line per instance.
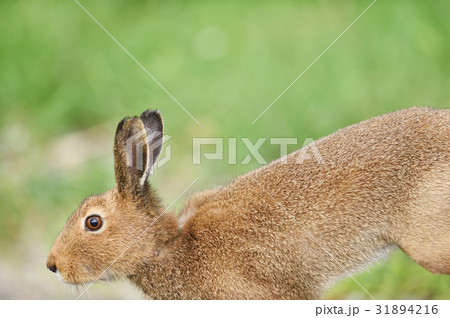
(152, 119)
(120, 125)
(148, 114)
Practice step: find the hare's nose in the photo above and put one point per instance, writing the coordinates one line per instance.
(52, 268)
(51, 264)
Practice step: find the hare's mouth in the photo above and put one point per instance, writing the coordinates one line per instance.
(61, 279)
(67, 282)
(77, 281)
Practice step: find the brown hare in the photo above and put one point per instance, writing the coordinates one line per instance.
(285, 231)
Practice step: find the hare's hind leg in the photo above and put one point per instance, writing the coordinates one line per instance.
(426, 235)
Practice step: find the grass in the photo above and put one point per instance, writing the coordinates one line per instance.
(225, 62)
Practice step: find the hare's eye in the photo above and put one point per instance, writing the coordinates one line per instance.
(94, 223)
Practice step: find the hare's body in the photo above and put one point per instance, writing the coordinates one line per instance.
(291, 228)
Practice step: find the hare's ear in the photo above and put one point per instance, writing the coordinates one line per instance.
(153, 125)
(137, 146)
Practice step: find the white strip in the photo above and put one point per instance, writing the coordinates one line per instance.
(148, 167)
(233, 308)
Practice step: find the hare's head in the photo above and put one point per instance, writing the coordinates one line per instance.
(102, 239)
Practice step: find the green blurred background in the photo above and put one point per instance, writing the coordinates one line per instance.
(65, 85)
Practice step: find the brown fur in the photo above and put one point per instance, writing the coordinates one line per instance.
(284, 231)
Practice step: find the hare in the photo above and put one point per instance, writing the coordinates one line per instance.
(287, 230)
